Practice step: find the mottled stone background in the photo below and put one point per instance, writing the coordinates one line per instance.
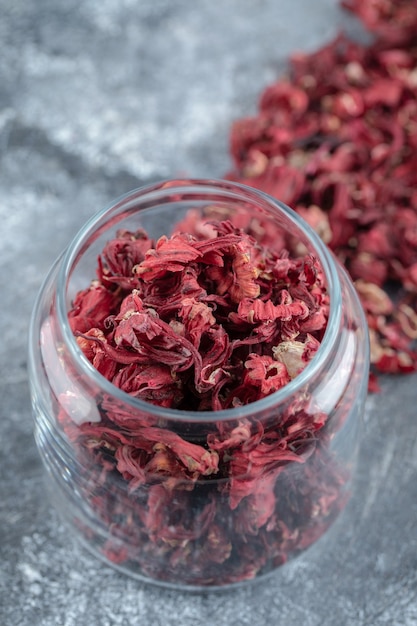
(98, 97)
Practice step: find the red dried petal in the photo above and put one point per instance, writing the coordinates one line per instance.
(169, 255)
(266, 373)
(194, 457)
(155, 383)
(254, 311)
(90, 308)
(284, 96)
(249, 469)
(95, 352)
(241, 434)
(238, 276)
(131, 462)
(119, 257)
(279, 180)
(197, 318)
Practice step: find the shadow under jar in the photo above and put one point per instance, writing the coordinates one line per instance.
(197, 498)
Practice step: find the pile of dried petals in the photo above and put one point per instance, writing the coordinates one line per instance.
(337, 141)
(200, 323)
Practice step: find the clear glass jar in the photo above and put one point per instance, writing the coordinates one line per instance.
(245, 514)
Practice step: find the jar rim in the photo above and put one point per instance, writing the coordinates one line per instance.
(200, 186)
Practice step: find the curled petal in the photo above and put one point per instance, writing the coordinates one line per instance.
(197, 318)
(238, 276)
(120, 255)
(266, 373)
(91, 307)
(169, 255)
(255, 311)
(96, 353)
(194, 457)
(130, 463)
(240, 435)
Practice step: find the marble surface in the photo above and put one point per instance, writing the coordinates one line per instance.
(98, 97)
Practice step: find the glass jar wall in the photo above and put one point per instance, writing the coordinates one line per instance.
(197, 498)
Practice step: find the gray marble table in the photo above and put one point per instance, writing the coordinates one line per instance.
(98, 97)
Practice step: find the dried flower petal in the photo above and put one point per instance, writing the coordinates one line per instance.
(169, 255)
(91, 307)
(266, 373)
(119, 257)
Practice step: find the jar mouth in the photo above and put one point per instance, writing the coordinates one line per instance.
(216, 189)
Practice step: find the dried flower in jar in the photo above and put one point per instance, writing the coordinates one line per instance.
(197, 323)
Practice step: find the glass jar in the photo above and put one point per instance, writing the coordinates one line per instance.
(249, 496)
